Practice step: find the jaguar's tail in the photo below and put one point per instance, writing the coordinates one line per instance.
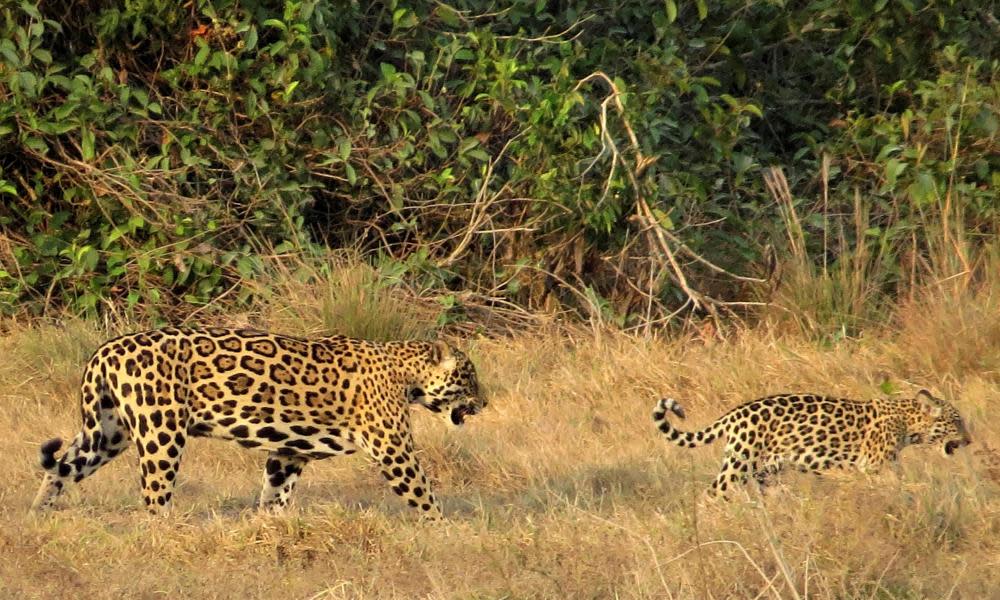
(684, 439)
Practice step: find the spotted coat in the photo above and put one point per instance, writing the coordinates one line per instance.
(297, 399)
(814, 433)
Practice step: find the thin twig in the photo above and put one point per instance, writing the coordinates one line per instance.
(660, 238)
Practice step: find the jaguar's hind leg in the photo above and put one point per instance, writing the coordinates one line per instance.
(736, 468)
(766, 471)
(102, 438)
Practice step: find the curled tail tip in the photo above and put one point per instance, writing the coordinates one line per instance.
(52, 446)
(48, 451)
(671, 405)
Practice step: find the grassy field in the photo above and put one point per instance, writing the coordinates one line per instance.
(560, 489)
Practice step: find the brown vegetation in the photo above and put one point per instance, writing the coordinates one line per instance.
(562, 488)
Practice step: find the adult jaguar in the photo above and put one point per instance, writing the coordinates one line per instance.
(297, 399)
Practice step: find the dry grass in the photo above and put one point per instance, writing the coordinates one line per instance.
(561, 489)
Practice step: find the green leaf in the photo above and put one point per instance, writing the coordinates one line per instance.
(396, 198)
(87, 144)
(404, 18)
(447, 14)
(923, 190)
(893, 169)
(702, 9)
(246, 267)
(116, 233)
(89, 259)
(467, 144)
(28, 83)
(37, 144)
(87, 301)
(9, 52)
(671, 11)
(42, 55)
(202, 55)
(250, 42)
(663, 219)
(478, 154)
(31, 10)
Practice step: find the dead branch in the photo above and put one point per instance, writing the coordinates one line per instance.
(661, 239)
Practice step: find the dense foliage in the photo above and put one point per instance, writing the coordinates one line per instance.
(608, 157)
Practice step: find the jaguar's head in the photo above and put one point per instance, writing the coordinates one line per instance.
(939, 423)
(448, 384)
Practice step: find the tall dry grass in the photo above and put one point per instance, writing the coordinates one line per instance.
(873, 272)
(561, 489)
(341, 294)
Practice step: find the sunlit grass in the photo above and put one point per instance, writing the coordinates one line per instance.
(560, 489)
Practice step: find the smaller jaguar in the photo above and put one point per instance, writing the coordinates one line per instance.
(814, 433)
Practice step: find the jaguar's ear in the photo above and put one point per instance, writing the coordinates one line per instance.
(929, 403)
(442, 355)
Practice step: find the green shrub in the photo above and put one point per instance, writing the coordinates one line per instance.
(151, 151)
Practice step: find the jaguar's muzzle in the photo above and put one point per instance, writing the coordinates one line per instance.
(952, 445)
(459, 413)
